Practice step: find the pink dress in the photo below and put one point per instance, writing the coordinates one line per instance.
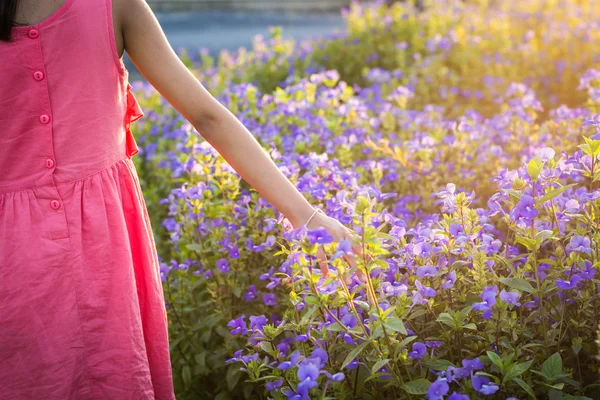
(82, 311)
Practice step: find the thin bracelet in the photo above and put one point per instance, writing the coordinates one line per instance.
(313, 214)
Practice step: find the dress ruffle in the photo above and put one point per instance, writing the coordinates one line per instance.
(134, 112)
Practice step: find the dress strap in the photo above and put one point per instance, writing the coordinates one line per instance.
(110, 26)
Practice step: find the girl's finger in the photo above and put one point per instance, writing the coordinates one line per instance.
(322, 260)
(351, 259)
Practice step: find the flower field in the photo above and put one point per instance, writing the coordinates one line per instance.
(460, 142)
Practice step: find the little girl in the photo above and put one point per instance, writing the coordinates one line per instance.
(82, 313)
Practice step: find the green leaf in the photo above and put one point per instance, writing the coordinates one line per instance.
(232, 377)
(515, 193)
(186, 375)
(528, 243)
(516, 371)
(553, 193)
(543, 235)
(362, 205)
(552, 367)
(336, 327)
(447, 319)
(362, 304)
(518, 283)
(378, 365)
(311, 300)
(534, 167)
(307, 316)
(471, 326)
(266, 346)
(438, 365)
(354, 353)
(417, 314)
(406, 342)
(372, 377)
(418, 387)
(194, 247)
(525, 387)
(494, 377)
(557, 386)
(396, 325)
(554, 394)
(495, 358)
(464, 313)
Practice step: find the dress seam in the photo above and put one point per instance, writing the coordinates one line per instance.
(71, 181)
(94, 173)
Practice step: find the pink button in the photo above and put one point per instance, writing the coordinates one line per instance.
(55, 204)
(49, 163)
(44, 118)
(38, 75)
(33, 33)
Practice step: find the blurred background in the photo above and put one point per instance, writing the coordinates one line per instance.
(230, 24)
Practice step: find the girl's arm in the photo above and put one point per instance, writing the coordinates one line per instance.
(153, 56)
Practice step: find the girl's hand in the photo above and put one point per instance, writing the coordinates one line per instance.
(339, 232)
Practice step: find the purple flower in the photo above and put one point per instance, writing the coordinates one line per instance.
(421, 249)
(294, 358)
(425, 291)
(510, 297)
(291, 395)
(344, 247)
(595, 121)
(307, 373)
(274, 384)
(426, 270)
(234, 252)
(453, 373)
(589, 272)
(570, 284)
(251, 293)
(449, 280)
(304, 387)
(296, 234)
(270, 299)
(257, 323)
(455, 229)
(338, 377)
(223, 265)
(472, 365)
(320, 355)
(301, 338)
(546, 154)
(238, 325)
(308, 370)
(265, 276)
(489, 298)
(419, 351)
(458, 396)
(349, 320)
(237, 356)
(319, 236)
(438, 389)
(525, 209)
(482, 384)
(580, 244)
